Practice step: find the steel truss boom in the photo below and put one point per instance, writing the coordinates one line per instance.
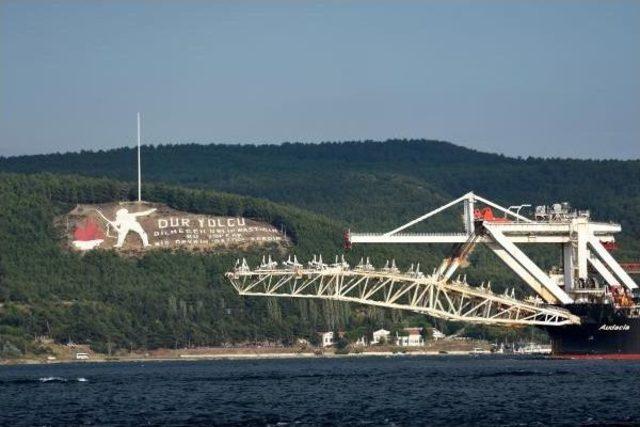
(388, 287)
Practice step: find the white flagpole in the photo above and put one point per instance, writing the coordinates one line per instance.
(139, 166)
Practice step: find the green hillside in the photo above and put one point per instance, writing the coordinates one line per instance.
(162, 299)
(176, 299)
(369, 185)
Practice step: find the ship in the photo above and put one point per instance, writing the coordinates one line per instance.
(606, 331)
(588, 304)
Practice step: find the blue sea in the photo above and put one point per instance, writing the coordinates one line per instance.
(393, 391)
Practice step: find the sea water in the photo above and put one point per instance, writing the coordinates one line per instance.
(409, 390)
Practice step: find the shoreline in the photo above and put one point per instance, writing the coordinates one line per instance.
(191, 357)
(82, 353)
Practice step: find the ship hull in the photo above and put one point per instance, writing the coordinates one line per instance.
(604, 332)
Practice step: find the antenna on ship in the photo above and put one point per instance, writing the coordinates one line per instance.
(139, 165)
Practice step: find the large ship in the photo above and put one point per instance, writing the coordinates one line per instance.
(607, 330)
(589, 304)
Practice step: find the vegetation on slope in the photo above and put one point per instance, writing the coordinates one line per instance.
(367, 184)
(162, 299)
(177, 299)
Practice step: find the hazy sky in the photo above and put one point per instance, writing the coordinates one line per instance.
(521, 78)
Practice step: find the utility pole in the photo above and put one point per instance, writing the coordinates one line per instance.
(139, 166)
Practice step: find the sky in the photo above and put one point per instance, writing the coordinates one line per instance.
(522, 78)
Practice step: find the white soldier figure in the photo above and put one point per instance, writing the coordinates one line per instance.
(125, 222)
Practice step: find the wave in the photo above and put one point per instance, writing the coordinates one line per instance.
(42, 380)
(52, 380)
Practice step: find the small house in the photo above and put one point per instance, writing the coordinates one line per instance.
(326, 339)
(413, 338)
(380, 336)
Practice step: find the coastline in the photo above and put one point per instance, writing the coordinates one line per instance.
(64, 354)
(255, 356)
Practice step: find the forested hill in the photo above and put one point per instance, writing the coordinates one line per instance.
(162, 298)
(369, 185)
(167, 299)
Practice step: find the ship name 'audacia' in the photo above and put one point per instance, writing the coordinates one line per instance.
(614, 328)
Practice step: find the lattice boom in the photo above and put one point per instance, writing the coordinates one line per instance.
(389, 287)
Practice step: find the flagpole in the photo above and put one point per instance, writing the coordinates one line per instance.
(139, 166)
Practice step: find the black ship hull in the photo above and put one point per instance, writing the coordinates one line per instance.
(604, 331)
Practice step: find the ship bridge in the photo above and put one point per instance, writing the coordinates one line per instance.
(588, 269)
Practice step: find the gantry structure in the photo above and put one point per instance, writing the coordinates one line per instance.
(438, 294)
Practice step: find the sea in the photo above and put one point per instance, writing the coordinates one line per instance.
(378, 391)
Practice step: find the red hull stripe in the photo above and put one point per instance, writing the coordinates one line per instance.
(612, 356)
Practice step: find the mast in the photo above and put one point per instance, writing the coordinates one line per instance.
(139, 165)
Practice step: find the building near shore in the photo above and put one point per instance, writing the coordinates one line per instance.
(326, 339)
(413, 338)
(380, 336)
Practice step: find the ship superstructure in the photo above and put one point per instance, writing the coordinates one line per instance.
(586, 304)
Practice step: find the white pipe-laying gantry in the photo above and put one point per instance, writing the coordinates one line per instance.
(437, 294)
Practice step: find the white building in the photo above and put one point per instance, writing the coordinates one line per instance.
(381, 335)
(412, 339)
(326, 339)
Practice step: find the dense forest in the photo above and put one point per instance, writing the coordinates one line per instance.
(162, 299)
(369, 185)
(178, 299)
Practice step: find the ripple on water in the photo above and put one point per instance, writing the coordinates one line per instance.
(442, 390)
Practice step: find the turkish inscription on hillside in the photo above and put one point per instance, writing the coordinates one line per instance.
(135, 226)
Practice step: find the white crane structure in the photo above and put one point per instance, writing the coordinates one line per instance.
(388, 287)
(437, 294)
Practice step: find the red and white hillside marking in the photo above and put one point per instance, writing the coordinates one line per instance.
(88, 235)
